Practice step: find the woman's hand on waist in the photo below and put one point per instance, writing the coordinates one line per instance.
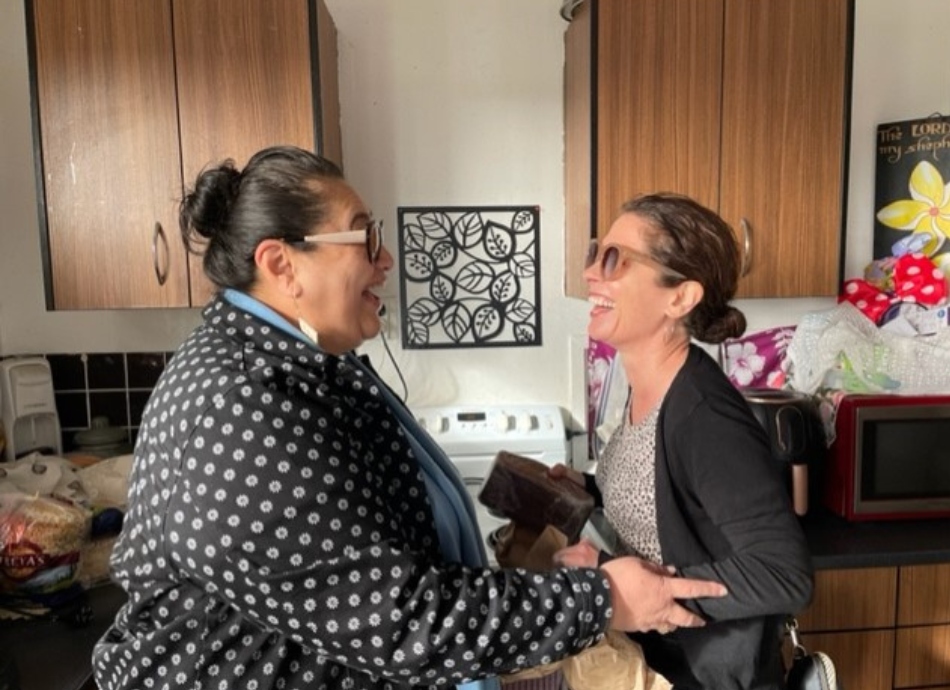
(644, 596)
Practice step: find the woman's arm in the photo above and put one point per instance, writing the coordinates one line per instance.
(327, 538)
(727, 472)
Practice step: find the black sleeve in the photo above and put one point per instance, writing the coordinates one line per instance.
(728, 473)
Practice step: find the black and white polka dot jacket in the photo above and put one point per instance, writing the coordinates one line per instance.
(279, 535)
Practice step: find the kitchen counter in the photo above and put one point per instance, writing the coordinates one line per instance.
(53, 654)
(837, 543)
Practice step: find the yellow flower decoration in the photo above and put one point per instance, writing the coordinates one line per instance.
(927, 213)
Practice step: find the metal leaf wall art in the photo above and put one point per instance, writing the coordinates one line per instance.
(469, 276)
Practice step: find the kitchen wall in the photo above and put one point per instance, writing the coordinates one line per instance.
(457, 103)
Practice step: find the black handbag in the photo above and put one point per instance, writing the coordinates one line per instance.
(809, 670)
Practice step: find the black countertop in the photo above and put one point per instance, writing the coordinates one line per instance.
(54, 654)
(837, 543)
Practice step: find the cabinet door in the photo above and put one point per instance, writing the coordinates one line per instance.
(922, 656)
(924, 595)
(244, 83)
(658, 72)
(106, 115)
(783, 122)
(863, 660)
(851, 599)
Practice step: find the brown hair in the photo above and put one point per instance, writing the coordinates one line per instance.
(696, 242)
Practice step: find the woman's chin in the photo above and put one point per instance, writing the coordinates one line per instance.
(372, 326)
(598, 329)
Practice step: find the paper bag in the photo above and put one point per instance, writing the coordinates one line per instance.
(616, 663)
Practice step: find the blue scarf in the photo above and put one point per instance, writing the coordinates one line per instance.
(452, 507)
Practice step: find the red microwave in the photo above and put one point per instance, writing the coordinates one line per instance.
(890, 458)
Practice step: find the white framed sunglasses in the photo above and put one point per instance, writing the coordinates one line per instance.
(371, 236)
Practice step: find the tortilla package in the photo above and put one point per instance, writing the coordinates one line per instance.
(44, 523)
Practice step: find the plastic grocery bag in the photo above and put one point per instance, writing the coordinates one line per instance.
(840, 349)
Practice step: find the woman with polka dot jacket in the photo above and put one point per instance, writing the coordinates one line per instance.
(688, 479)
(289, 525)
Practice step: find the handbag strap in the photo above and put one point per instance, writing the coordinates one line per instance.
(815, 670)
(791, 629)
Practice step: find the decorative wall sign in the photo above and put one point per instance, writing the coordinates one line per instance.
(912, 195)
(469, 276)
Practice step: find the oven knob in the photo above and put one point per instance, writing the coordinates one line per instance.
(435, 425)
(526, 422)
(502, 422)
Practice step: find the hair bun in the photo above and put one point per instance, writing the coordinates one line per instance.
(206, 209)
(730, 324)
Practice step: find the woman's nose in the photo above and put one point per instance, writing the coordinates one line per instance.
(591, 273)
(385, 260)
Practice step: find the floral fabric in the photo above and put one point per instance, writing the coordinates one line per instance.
(758, 360)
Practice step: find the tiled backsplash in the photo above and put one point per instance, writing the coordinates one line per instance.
(115, 385)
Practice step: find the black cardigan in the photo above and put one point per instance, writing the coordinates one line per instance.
(724, 513)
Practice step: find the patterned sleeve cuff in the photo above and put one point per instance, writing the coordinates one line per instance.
(592, 592)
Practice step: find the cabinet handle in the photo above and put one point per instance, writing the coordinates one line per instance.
(746, 263)
(568, 7)
(161, 272)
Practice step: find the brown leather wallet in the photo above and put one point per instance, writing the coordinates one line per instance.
(520, 489)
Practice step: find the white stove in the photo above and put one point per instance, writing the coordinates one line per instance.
(471, 435)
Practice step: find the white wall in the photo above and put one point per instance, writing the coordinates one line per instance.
(458, 103)
(902, 72)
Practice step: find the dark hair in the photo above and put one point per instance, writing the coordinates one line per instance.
(228, 213)
(696, 242)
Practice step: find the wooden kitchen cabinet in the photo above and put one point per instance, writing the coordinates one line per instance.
(853, 599)
(924, 595)
(922, 656)
(863, 659)
(738, 103)
(885, 628)
(851, 619)
(923, 635)
(132, 99)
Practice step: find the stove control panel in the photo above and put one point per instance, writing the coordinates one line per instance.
(469, 429)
